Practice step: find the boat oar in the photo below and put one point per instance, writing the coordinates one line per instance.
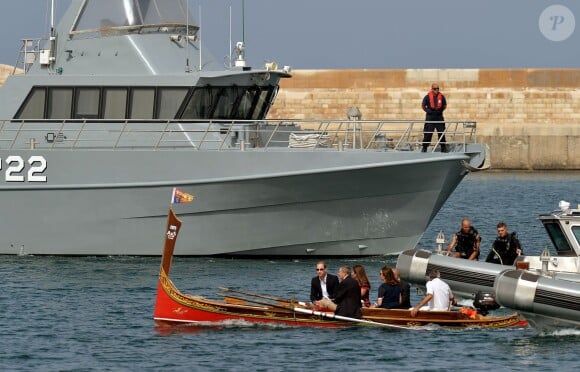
(347, 319)
(273, 298)
(319, 313)
(256, 301)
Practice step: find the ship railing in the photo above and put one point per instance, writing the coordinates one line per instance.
(401, 135)
(29, 53)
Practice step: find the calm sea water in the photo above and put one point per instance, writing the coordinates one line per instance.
(88, 313)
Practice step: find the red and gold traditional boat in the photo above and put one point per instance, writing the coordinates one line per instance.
(173, 307)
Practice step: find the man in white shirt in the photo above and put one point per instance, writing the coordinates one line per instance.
(439, 295)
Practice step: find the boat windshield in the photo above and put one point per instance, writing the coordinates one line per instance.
(576, 231)
(106, 14)
(558, 239)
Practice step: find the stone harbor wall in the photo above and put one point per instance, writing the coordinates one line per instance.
(6, 71)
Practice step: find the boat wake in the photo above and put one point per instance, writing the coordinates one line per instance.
(565, 332)
(199, 327)
(238, 323)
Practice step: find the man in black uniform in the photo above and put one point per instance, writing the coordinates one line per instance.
(466, 242)
(434, 104)
(506, 247)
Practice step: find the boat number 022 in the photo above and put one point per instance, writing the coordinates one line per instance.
(15, 165)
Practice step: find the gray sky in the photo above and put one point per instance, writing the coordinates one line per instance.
(321, 34)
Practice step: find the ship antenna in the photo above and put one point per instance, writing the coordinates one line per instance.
(52, 38)
(244, 22)
(230, 45)
(187, 69)
(52, 18)
(200, 38)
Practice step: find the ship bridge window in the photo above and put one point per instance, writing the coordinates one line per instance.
(232, 102)
(263, 104)
(225, 101)
(576, 231)
(200, 104)
(99, 14)
(147, 103)
(33, 107)
(60, 103)
(169, 101)
(115, 103)
(247, 103)
(142, 103)
(87, 103)
(559, 239)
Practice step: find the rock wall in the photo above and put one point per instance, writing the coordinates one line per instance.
(6, 71)
(530, 118)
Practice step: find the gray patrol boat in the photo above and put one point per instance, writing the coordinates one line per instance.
(121, 103)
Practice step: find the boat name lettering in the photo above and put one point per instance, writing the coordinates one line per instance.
(15, 167)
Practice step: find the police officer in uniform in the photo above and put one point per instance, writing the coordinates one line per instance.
(506, 247)
(466, 242)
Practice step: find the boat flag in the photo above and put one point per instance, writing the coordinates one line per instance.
(180, 197)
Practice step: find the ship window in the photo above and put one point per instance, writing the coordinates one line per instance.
(88, 102)
(143, 103)
(225, 103)
(246, 104)
(576, 231)
(199, 104)
(59, 103)
(170, 99)
(263, 103)
(558, 239)
(115, 100)
(99, 14)
(33, 108)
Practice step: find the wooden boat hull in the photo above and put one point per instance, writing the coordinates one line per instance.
(173, 308)
(454, 319)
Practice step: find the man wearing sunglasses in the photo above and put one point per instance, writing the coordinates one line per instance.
(323, 285)
(434, 104)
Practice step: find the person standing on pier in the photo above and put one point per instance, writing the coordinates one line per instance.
(434, 104)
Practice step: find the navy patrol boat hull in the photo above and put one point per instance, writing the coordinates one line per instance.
(122, 103)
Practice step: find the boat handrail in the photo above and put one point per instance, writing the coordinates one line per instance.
(339, 134)
(29, 47)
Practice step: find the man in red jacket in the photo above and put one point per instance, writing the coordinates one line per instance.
(434, 104)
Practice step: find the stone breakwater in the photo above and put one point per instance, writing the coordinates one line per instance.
(530, 118)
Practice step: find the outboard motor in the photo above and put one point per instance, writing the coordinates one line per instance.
(545, 302)
(465, 277)
(484, 302)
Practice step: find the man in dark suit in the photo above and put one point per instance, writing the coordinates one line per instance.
(323, 285)
(348, 297)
